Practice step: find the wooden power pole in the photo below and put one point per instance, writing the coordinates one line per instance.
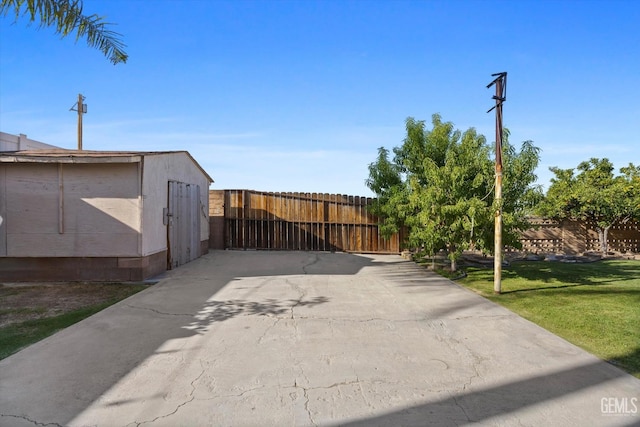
(500, 81)
(81, 108)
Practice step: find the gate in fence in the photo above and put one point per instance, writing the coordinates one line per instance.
(247, 219)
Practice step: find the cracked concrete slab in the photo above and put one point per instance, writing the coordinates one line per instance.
(308, 339)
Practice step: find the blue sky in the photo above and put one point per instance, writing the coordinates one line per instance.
(298, 95)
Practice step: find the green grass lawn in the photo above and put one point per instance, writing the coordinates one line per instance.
(594, 305)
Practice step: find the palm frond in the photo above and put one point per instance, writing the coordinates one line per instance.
(66, 16)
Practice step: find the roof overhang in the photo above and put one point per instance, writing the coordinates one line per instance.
(56, 156)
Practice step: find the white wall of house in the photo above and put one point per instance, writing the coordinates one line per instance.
(9, 142)
(158, 170)
(70, 210)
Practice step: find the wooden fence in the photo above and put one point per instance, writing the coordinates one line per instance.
(576, 237)
(246, 219)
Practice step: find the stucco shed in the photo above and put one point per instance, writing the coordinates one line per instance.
(100, 215)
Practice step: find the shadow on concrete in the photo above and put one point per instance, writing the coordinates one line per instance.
(219, 311)
(481, 405)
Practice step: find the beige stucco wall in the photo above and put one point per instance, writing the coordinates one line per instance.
(158, 170)
(70, 210)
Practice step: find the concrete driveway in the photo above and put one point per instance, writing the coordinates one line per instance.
(304, 339)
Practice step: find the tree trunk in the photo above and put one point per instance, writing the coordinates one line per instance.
(604, 240)
(452, 257)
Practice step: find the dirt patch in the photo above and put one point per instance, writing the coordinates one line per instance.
(27, 301)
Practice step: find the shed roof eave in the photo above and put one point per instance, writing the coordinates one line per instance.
(55, 156)
(69, 160)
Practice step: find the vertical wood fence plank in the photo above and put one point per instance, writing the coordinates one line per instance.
(309, 224)
(314, 225)
(289, 221)
(244, 209)
(254, 219)
(299, 230)
(325, 225)
(237, 228)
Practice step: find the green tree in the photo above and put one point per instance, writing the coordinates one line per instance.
(386, 182)
(439, 186)
(594, 194)
(66, 16)
(629, 181)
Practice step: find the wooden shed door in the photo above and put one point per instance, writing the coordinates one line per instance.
(183, 223)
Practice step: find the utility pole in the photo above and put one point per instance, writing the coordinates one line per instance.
(81, 108)
(500, 82)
